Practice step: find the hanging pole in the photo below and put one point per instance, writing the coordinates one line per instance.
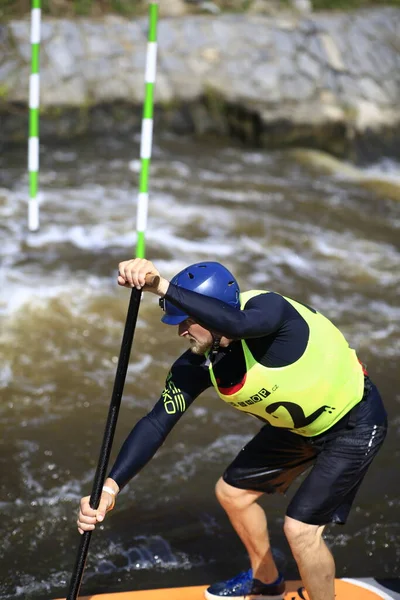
(131, 318)
(33, 144)
(147, 131)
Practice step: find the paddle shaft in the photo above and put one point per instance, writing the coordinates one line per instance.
(108, 437)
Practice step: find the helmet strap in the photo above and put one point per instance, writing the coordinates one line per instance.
(216, 342)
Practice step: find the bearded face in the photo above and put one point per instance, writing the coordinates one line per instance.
(200, 339)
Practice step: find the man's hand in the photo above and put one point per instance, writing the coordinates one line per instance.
(132, 273)
(89, 517)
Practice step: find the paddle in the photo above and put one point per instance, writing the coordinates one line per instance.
(109, 431)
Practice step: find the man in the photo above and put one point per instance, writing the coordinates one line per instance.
(285, 363)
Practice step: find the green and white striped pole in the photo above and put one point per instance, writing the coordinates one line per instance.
(33, 144)
(147, 131)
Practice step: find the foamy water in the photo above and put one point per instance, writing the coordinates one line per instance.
(318, 239)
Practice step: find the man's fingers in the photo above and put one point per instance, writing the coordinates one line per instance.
(127, 274)
(85, 523)
(85, 518)
(101, 511)
(89, 517)
(82, 527)
(122, 281)
(132, 273)
(124, 276)
(139, 268)
(86, 511)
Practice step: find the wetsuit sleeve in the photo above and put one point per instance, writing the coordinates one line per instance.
(262, 314)
(188, 378)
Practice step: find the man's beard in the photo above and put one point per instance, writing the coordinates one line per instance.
(199, 347)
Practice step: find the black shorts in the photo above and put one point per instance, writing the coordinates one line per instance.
(339, 458)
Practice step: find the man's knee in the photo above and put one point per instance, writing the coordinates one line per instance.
(301, 536)
(232, 497)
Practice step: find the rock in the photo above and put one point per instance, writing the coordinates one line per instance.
(173, 8)
(303, 7)
(265, 7)
(210, 7)
(321, 161)
(333, 56)
(325, 162)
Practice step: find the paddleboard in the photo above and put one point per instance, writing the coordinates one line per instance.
(345, 589)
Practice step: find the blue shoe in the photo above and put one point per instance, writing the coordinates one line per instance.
(244, 587)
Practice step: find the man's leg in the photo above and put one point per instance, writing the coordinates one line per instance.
(250, 523)
(313, 558)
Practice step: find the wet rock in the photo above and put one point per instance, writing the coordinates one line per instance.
(321, 161)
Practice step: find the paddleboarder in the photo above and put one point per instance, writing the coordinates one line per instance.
(283, 362)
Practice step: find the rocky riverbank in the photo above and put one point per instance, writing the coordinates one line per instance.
(328, 81)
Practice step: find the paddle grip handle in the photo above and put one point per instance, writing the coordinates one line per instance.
(152, 280)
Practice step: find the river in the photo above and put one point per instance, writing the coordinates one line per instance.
(277, 225)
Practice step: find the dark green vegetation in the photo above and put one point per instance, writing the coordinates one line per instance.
(70, 8)
(351, 4)
(131, 8)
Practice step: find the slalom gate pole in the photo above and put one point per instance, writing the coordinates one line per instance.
(147, 131)
(33, 144)
(133, 309)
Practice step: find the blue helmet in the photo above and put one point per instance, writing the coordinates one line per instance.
(207, 278)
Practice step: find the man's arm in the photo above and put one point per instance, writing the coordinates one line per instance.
(262, 315)
(188, 378)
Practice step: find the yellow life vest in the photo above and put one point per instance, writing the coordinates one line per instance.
(310, 395)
